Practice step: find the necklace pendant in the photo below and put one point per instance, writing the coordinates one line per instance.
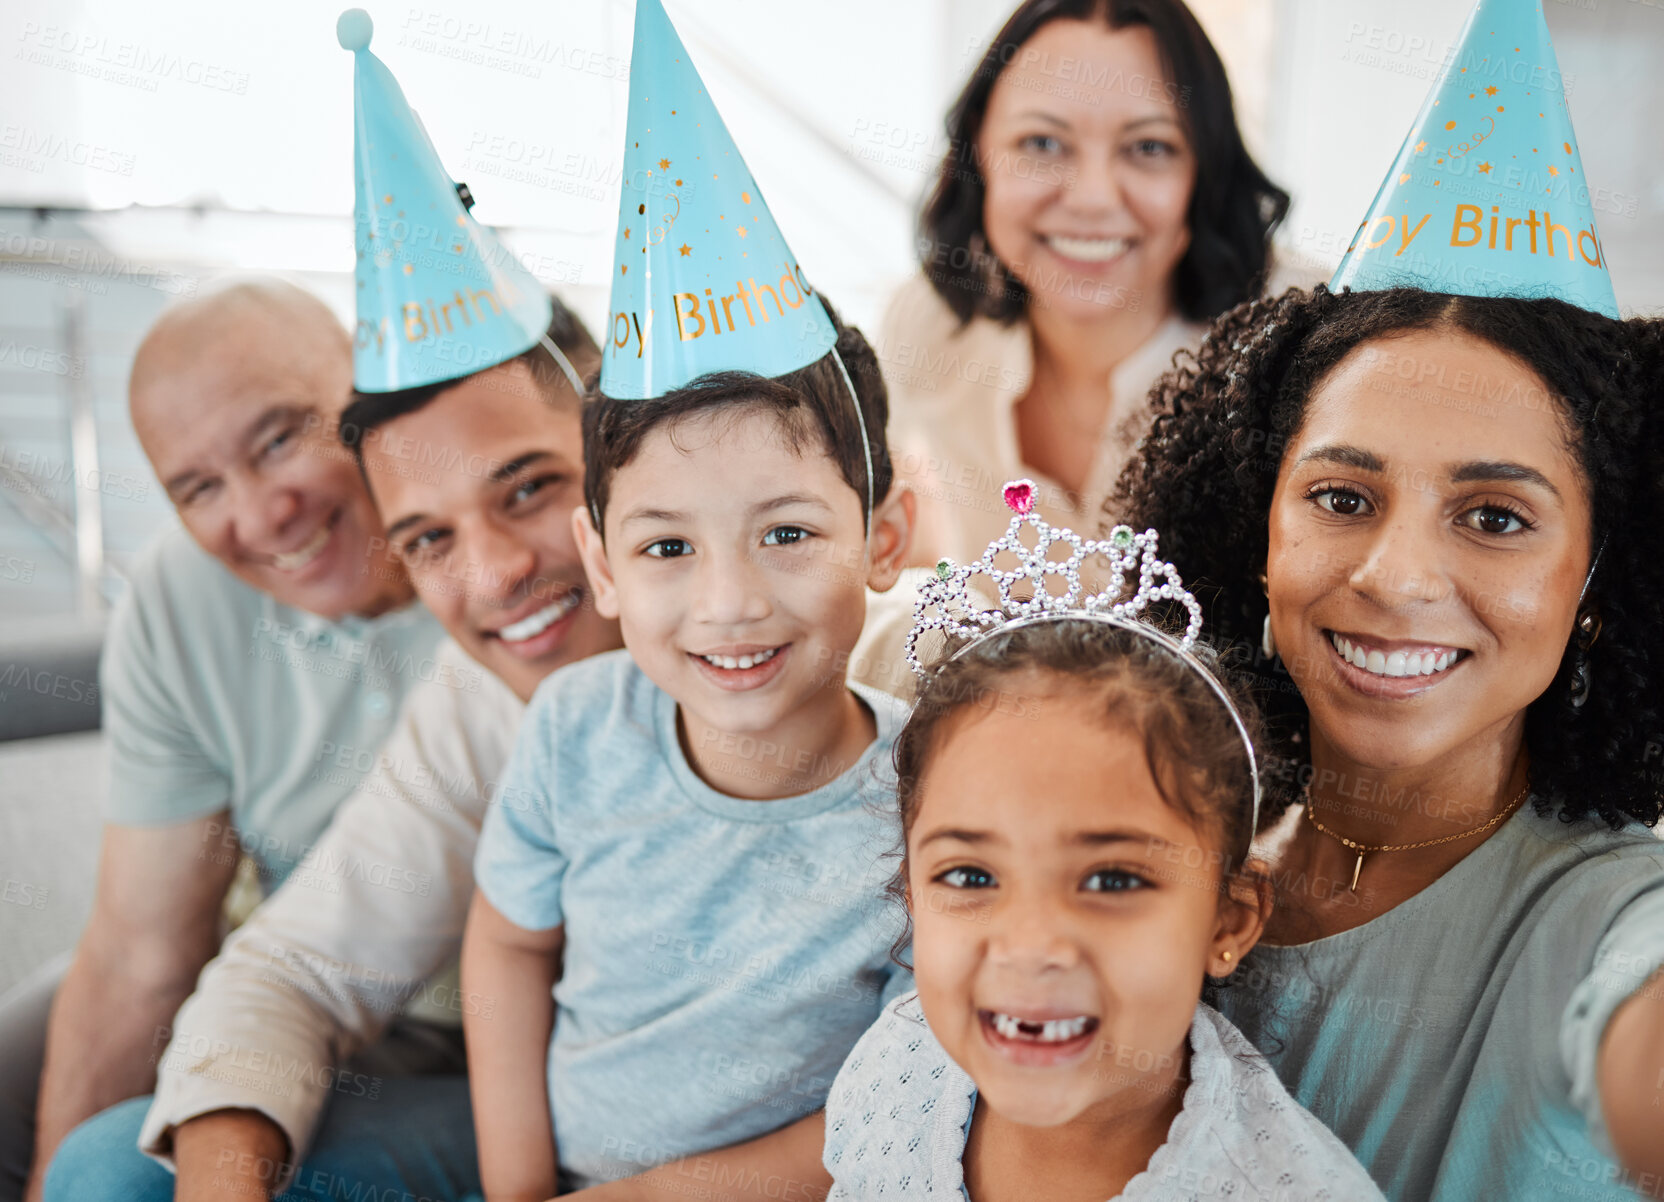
(1356, 869)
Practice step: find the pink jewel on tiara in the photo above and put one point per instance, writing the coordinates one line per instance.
(1043, 583)
(1044, 586)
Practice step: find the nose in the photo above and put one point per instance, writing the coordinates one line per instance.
(728, 589)
(1400, 565)
(505, 564)
(1030, 934)
(1093, 186)
(262, 510)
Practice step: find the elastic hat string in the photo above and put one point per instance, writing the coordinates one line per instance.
(861, 425)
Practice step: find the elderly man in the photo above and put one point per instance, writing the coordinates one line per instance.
(267, 627)
(261, 1089)
(264, 1081)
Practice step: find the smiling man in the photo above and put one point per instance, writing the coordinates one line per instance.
(272, 1076)
(470, 530)
(464, 426)
(267, 623)
(260, 486)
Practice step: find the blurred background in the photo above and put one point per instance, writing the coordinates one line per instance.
(147, 149)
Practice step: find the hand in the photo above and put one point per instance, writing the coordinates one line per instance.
(229, 1154)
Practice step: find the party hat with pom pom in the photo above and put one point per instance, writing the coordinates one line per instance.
(703, 280)
(438, 296)
(1487, 196)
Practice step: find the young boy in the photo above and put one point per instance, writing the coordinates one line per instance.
(688, 846)
(697, 823)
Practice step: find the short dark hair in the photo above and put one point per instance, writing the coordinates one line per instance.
(812, 403)
(368, 410)
(1234, 206)
(1207, 474)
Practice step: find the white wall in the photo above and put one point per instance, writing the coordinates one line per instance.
(244, 107)
(838, 108)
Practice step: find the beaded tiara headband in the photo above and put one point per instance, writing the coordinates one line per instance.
(946, 602)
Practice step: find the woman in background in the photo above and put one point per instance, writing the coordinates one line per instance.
(1095, 209)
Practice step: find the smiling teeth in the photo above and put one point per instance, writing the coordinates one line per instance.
(1088, 250)
(1055, 1030)
(537, 623)
(740, 661)
(1397, 663)
(289, 561)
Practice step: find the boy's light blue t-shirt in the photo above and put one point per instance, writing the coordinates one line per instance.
(216, 696)
(722, 956)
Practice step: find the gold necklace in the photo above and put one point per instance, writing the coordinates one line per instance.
(1362, 850)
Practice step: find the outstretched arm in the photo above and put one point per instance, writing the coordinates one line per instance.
(1632, 1079)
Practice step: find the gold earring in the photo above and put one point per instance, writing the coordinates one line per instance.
(1226, 956)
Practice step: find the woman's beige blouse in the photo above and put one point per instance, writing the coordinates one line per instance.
(953, 422)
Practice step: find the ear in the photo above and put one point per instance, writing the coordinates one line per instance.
(1244, 908)
(892, 536)
(594, 555)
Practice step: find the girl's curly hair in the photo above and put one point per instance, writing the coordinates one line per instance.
(1206, 474)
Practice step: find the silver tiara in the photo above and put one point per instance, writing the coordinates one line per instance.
(946, 601)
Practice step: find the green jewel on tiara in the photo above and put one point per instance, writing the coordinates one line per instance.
(947, 603)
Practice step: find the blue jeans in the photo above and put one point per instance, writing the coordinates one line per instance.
(415, 1143)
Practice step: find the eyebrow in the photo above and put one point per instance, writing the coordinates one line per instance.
(1480, 470)
(1345, 456)
(270, 416)
(960, 835)
(408, 520)
(1472, 472)
(173, 486)
(645, 514)
(1104, 838)
(1051, 118)
(1078, 839)
(1155, 119)
(504, 471)
(787, 500)
(512, 468)
(784, 501)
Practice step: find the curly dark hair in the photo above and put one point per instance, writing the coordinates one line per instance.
(1234, 207)
(1224, 415)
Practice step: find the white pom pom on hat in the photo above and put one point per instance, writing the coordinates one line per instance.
(353, 29)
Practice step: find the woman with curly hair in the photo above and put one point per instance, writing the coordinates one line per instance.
(1095, 208)
(1428, 524)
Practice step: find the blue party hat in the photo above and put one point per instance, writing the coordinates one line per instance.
(704, 280)
(1487, 196)
(439, 298)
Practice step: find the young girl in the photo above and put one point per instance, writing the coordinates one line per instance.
(1077, 792)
